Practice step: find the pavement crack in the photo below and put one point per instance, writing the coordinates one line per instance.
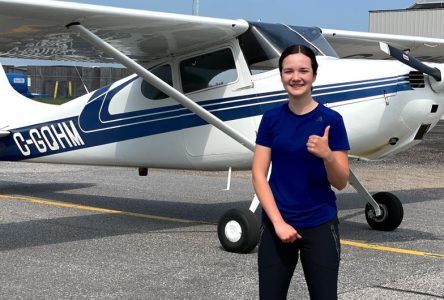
(409, 291)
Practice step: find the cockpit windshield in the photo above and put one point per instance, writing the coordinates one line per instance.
(263, 43)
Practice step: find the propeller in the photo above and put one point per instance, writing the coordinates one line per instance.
(410, 61)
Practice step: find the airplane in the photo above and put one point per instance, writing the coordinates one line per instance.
(199, 89)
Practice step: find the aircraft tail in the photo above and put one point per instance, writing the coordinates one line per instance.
(14, 106)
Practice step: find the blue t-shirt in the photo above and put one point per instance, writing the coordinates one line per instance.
(298, 178)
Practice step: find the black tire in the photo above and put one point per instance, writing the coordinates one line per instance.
(392, 212)
(238, 230)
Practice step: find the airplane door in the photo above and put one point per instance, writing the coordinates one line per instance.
(213, 80)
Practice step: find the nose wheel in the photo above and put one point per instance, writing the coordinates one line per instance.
(238, 230)
(392, 212)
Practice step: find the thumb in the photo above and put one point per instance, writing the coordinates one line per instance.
(327, 131)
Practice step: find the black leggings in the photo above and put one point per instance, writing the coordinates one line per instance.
(320, 254)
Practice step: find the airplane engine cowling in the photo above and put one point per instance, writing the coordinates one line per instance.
(437, 86)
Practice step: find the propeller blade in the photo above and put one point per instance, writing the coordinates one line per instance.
(410, 60)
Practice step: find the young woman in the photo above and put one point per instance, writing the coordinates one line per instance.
(307, 145)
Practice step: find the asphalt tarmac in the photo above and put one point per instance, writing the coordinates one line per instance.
(76, 232)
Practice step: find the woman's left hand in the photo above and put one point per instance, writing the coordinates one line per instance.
(318, 145)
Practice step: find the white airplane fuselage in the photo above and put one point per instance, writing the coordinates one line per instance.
(117, 125)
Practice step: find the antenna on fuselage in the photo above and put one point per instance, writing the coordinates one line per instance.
(81, 79)
(195, 7)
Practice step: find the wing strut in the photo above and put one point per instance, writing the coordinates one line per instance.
(93, 39)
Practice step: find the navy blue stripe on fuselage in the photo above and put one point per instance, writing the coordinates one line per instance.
(60, 134)
(91, 120)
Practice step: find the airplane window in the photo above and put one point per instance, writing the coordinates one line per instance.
(208, 70)
(263, 43)
(259, 55)
(149, 91)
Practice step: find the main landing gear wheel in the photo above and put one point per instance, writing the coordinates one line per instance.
(238, 230)
(392, 212)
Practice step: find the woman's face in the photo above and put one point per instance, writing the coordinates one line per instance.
(297, 75)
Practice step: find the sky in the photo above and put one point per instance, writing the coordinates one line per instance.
(335, 14)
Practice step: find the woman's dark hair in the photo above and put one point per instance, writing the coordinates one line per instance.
(294, 49)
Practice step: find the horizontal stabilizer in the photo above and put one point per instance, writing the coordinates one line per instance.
(4, 133)
(411, 61)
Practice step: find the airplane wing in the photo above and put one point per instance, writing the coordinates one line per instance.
(36, 30)
(353, 44)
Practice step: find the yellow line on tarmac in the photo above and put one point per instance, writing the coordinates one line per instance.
(160, 218)
(390, 249)
(101, 210)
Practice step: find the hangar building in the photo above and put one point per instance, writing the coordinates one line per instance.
(423, 18)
